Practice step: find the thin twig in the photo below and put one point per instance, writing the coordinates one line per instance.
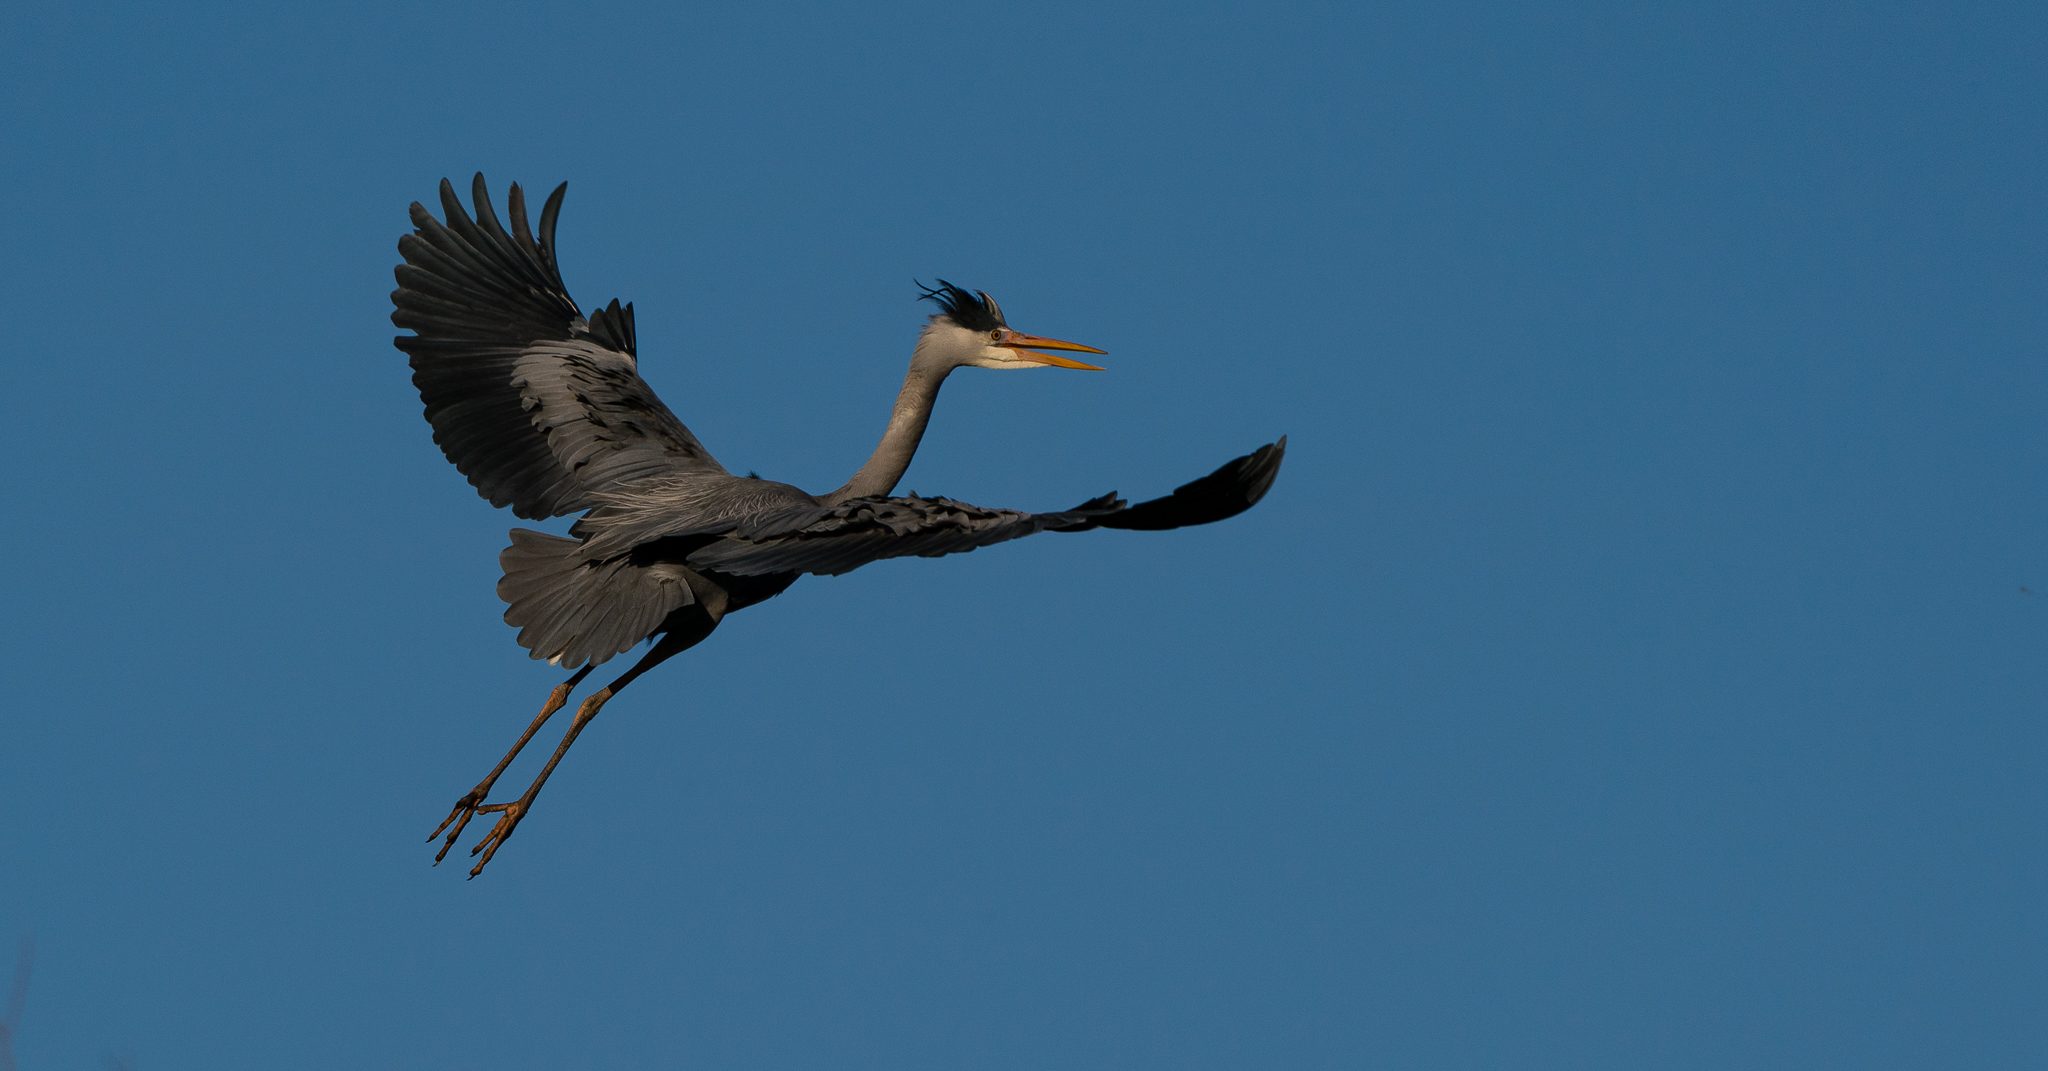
(17, 999)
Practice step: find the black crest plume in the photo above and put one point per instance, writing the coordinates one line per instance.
(974, 311)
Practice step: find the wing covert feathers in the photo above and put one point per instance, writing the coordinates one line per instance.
(491, 321)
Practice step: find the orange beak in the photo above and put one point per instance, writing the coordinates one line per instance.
(1028, 347)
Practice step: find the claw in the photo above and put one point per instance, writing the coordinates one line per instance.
(465, 809)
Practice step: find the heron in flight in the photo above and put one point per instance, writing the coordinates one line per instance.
(544, 410)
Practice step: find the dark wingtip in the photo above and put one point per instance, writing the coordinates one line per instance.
(1237, 485)
(1261, 467)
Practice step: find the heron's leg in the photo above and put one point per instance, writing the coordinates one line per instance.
(509, 814)
(465, 808)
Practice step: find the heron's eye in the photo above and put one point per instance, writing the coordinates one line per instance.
(996, 335)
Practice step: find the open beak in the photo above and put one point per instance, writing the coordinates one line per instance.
(1029, 348)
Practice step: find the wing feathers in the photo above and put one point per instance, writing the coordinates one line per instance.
(838, 539)
(1227, 492)
(537, 406)
(612, 327)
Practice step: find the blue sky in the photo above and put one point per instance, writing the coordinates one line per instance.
(1640, 661)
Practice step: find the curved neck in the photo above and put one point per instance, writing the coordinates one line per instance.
(899, 442)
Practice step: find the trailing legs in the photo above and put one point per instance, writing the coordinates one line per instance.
(466, 807)
(683, 635)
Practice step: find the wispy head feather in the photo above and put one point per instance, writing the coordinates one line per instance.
(974, 311)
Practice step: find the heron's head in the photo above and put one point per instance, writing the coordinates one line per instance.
(969, 330)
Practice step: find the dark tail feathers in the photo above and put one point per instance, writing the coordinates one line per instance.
(573, 612)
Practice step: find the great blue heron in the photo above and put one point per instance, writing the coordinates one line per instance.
(545, 411)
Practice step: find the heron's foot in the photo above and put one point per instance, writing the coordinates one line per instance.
(509, 815)
(465, 809)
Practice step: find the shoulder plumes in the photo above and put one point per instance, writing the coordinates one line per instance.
(975, 310)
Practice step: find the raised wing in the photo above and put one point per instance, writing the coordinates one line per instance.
(538, 406)
(839, 539)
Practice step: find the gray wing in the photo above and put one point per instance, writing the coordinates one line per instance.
(839, 539)
(538, 406)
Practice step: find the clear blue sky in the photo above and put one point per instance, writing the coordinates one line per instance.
(1641, 662)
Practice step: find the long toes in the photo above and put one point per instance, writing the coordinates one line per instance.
(459, 816)
(464, 808)
(499, 834)
(508, 819)
(453, 835)
(485, 861)
(490, 844)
